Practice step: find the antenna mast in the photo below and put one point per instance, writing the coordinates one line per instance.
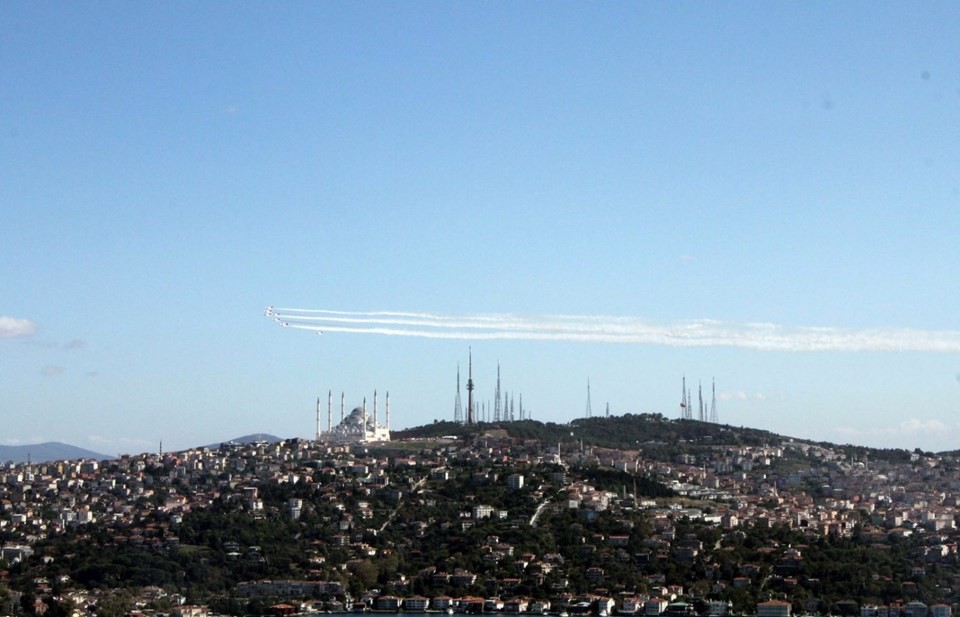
(700, 396)
(589, 410)
(457, 407)
(497, 408)
(713, 404)
(470, 418)
(684, 404)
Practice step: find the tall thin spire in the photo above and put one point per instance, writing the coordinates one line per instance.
(521, 407)
(497, 410)
(364, 416)
(342, 404)
(457, 407)
(388, 410)
(589, 409)
(684, 403)
(329, 410)
(713, 403)
(374, 408)
(700, 397)
(470, 418)
(318, 418)
(608, 409)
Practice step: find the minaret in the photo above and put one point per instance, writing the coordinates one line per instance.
(364, 418)
(318, 418)
(388, 410)
(608, 409)
(470, 419)
(329, 410)
(374, 409)
(521, 406)
(341, 407)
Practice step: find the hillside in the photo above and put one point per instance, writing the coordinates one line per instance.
(49, 451)
(656, 435)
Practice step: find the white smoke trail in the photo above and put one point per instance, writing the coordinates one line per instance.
(623, 330)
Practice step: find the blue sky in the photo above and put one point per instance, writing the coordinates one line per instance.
(168, 170)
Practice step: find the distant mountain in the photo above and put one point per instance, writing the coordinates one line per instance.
(252, 438)
(45, 452)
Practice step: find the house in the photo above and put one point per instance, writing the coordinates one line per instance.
(605, 606)
(516, 605)
(416, 603)
(386, 603)
(630, 606)
(773, 608)
(654, 607)
(441, 603)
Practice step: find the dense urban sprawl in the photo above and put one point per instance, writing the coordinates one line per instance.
(629, 515)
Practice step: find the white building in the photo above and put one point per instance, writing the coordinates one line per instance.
(359, 427)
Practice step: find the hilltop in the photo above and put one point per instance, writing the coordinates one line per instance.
(654, 434)
(49, 451)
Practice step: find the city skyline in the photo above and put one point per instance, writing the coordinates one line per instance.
(625, 193)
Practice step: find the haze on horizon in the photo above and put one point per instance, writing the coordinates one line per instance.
(775, 184)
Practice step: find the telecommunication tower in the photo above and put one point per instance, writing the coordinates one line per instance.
(470, 419)
(713, 404)
(700, 396)
(457, 407)
(684, 403)
(497, 408)
(589, 409)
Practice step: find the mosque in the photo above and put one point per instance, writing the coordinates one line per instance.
(357, 427)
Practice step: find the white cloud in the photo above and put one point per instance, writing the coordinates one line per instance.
(740, 395)
(904, 434)
(13, 327)
(915, 425)
(624, 330)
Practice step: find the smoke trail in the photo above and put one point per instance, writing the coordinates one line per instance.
(622, 330)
